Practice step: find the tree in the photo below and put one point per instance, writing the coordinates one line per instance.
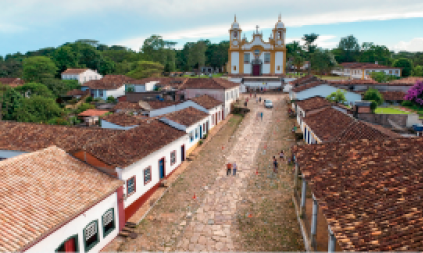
(60, 87)
(338, 96)
(145, 69)
(417, 71)
(111, 99)
(381, 77)
(323, 61)
(374, 53)
(309, 40)
(415, 93)
(373, 95)
(11, 101)
(83, 107)
(197, 55)
(34, 89)
(405, 64)
(65, 58)
(349, 48)
(38, 109)
(298, 62)
(38, 67)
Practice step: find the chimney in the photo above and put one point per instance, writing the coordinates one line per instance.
(362, 107)
(376, 62)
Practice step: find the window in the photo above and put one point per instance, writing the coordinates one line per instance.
(234, 67)
(196, 133)
(130, 186)
(256, 52)
(100, 93)
(92, 93)
(108, 222)
(173, 158)
(279, 67)
(69, 245)
(247, 58)
(267, 58)
(191, 136)
(147, 175)
(91, 237)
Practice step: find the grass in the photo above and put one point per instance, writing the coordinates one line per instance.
(333, 78)
(390, 111)
(204, 76)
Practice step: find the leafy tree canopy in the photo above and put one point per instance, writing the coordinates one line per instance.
(406, 64)
(349, 48)
(337, 96)
(373, 95)
(38, 67)
(38, 109)
(145, 69)
(34, 89)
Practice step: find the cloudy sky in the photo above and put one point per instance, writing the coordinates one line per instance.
(33, 24)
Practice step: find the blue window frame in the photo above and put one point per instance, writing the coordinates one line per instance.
(191, 136)
(196, 133)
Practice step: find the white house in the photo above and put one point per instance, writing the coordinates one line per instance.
(120, 121)
(310, 106)
(110, 85)
(218, 88)
(194, 122)
(362, 70)
(81, 75)
(209, 105)
(52, 202)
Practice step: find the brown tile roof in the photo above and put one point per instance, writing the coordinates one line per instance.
(408, 80)
(308, 86)
(30, 137)
(187, 116)
(109, 82)
(304, 79)
(351, 82)
(125, 105)
(41, 191)
(74, 71)
(77, 92)
(328, 123)
(370, 192)
(364, 65)
(313, 103)
(364, 110)
(161, 104)
(362, 130)
(208, 83)
(122, 119)
(132, 145)
(12, 81)
(207, 101)
(393, 95)
(92, 113)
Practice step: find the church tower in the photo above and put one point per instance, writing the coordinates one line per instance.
(235, 35)
(279, 34)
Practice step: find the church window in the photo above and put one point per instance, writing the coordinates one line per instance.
(267, 58)
(234, 67)
(235, 34)
(257, 52)
(279, 35)
(247, 58)
(279, 67)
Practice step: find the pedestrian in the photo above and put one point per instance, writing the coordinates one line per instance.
(261, 114)
(228, 169)
(275, 165)
(255, 95)
(281, 155)
(260, 99)
(234, 168)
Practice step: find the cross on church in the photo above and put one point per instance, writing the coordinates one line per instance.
(257, 27)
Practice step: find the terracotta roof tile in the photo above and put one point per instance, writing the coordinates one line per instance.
(370, 192)
(187, 116)
(41, 191)
(304, 79)
(30, 137)
(308, 86)
(122, 119)
(363, 130)
(408, 80)
(313, 103)
(109, 82)
(132, 145)
(77, 92)
(125, 105)
(352, 82)
(364, 65)
(393, 95)
(161, 104)
(74, 71)
(208, 83)
(207, 101)
(12, 81)
(92, 113)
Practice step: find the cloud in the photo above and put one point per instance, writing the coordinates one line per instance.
(414, 45)
(324, 41)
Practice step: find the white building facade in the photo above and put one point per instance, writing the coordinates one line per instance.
(81, 75)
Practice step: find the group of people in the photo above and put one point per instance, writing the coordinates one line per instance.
(231, 167)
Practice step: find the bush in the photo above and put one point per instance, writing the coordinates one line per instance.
(111, 99)
(200, 142)
(373, 106)
(89, 99)
(420, 112)
(205, 136)
(407, 103)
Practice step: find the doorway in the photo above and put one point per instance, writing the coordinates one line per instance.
(162, 168)
(201, 132)
(182, 153)
(256, 69)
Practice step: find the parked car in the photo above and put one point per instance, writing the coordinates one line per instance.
(268, 103)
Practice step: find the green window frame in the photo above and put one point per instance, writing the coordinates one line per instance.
(112, 221)
(94, 243)
(67, 239)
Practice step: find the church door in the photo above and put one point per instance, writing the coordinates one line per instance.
(256, 69)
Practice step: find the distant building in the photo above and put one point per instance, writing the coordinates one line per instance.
(81, 75)
(361, 70)
(110, 85)
(12, 81)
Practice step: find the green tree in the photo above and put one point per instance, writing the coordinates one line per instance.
(349, 48)
(298, 61)
(417, 71)
(338, 96)
(34, 89)
(145, 69)
(60, 87)
(37, 109)
(65, 58)
(381, 77)
(373, 95)
(111, 99)
(309, 39)
(323, 61)
(197, 55)
(405, 64)
(374, 53)
(38, 67)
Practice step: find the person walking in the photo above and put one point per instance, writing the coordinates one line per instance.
(281, 155)
(261, 114)
(228, 169)
(234, 168)
(275, 165)
(260, 99)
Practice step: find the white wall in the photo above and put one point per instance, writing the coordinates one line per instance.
(10, 153)
(192, 128)
(235, 80)
(137, 88)
(109, 125)
(230, 99)
(234, 62)
(114, 93)
(77, 226)
(324, 91)
(152, 160)
(309, 136)
(257, 41)
(279, 62)
(84, 77)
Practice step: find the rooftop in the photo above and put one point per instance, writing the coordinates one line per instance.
(207, 101)
(74, 71)
(12, 81)
(308, 85)
(313, 103)
(393, 95)
(109, 82)
(409, 80)
(92, 113)
(370, 192)
(125, 105)
(364, 65)
(41, 191)
(122, 119)
(186, 117)
(208, 83)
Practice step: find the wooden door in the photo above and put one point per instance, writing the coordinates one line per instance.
(256, 70)
(70, 245)
(182, 153)
(162, 168)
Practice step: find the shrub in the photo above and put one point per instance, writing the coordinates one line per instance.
(111, 99)
(200, 142)
(205, 136)
(89, 99)
(373, 106)
(407, 103)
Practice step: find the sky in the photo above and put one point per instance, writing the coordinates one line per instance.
(33, 24)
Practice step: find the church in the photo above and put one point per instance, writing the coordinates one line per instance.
(257, 58)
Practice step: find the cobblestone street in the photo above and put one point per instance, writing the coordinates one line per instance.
(206, 210)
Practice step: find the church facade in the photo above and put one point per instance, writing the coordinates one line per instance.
(257, 58)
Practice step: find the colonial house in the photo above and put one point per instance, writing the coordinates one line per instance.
(363, 85)
(81, 75)
(52, 202)
(362, 70)
(218, 88)
(310, 106)
(151, 83)
(120, 121)
(393, 97)
(209, 105)
(110, 85)
(92, 116)
(12, 81)
(364, 194)
(194, 122)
